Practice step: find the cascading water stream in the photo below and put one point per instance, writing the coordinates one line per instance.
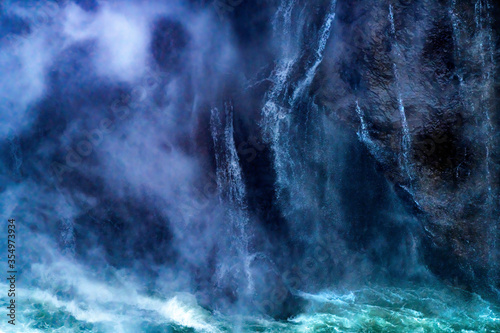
(275, 112)
(483, 22)
(406, 137)
(457, 37)
(476, 42)
(283, 19)
(231, 188)
(318, 55)
(483, 27)
(279, 104)
(364, 135)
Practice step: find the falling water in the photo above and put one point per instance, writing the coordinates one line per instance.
(478, 96)
(457, 37)
(391, 19)
(483, 28)
(406, 142)
(283, 20)
(231, 187)
(318, 55)
(486, 52)
(279, 103)
(274, 114)
(406, 139)
(364, 135)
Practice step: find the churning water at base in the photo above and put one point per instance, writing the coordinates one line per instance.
(371, 309)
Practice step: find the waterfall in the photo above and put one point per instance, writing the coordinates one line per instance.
(318, 55)
(391, 20)
(486, 51)
(406, 137)
(364, 135)
(283, 19)
(476, 42)
(227, 166)
(231, 188)
(406, 142)
(279, 103)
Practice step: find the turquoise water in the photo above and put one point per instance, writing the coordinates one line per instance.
(374, 309)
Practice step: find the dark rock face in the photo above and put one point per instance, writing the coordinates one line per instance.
(438, 63)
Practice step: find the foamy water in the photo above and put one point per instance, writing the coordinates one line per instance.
(374, 309)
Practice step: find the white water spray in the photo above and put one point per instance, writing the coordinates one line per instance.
(406, 136)
(323, 38)
(231, 187)
(280, 103)
(364, 135)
